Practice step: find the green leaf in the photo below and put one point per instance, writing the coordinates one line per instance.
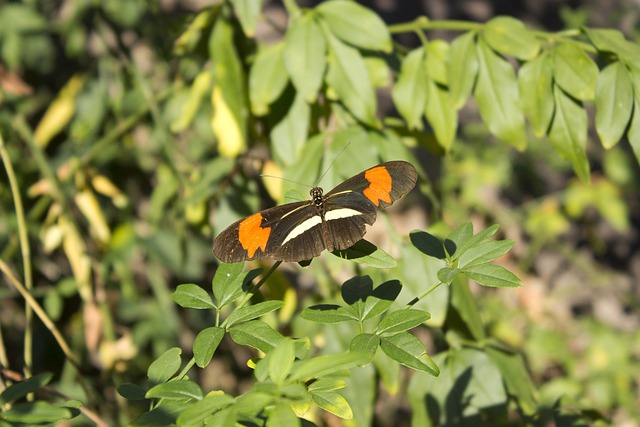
(305, 56)
(402, 320)
(39, 412)
(248, 12)
(355, 24)
(175, 390)
(349, 78)
(365, 343)
(267, 78)
(441, 115)
(200, 411)
(256, 334)
(282, 415)
(609, 40)
(366, 253)
(230, 292)
(229, 78)
(510, 36)
(409, 351)
(568, 132)
(224, 279)
(464, 238)
(437, 52)
(21, 389)
(327, 313)
(289, 134)
(459, 236)
(462, 68)
(327, 384)
(165, 366)
(410, 91)
(574, 71)
(381, 298)
(535, 83)
(205, 345)
(334, 403)
(378, 69)
(484, 252)
(497, 96)
(253, 402)
(634, 129)
(192, 296)
(252, 312)
(281, 361)
(326, 365)
(492, 275)
(447, 275)
(224, 418)
(614, 103)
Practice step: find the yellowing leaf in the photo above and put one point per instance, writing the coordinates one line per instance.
(200, 87)
(76, 252)
(271, 182)
(104, 186)
(225, 126)
(60, 112)
(90, 208)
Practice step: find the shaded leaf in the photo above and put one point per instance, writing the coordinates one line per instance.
(22, 388)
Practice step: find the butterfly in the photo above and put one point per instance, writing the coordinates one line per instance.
(300, 231)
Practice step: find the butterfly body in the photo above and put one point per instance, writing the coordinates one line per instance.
(333, 221)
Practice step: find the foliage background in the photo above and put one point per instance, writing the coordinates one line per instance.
(140, 190)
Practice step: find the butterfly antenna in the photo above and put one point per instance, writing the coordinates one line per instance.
(334, 160)
(284, 179)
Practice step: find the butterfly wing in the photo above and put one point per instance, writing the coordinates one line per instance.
(382, 184)
(291, 232)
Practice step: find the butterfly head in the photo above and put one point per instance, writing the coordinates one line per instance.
(316, 196)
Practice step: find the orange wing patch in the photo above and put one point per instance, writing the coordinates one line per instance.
(252, 236)
(379, 185)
